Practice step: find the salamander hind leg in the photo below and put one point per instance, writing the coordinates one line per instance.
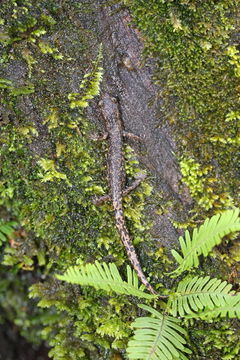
(100, 200)
(96, 137)
(139, 178)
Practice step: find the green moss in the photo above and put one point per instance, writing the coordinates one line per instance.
(203, 187)
(51, 172)
(221, 341)
(49, 184)
(197, 70)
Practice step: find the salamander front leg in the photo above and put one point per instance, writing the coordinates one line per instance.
(140, 177)
(102, 137)
(131, 135)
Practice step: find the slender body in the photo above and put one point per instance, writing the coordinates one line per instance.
(115, 133)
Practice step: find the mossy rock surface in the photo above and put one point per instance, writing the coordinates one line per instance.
(52, 169)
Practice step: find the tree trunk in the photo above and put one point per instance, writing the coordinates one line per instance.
(51, 169)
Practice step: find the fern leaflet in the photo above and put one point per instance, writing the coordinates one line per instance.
(231, 309)
(6, 230)
(205, 238)
(159, 337)
(196, 293)
(105, 277)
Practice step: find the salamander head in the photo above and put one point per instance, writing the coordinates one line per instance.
(110, 110)
(107, 98)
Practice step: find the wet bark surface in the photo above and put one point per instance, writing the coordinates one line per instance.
(128, 79)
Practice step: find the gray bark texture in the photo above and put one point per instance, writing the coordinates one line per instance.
(129, 78)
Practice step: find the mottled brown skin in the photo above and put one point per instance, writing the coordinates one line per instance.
(110, 112)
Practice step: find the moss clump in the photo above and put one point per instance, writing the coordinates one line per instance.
(198, 70)
(51, 171)
(221, 341)
(197, 66)
(203, 187)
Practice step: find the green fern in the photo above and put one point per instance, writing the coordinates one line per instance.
(160, 337)
(196, 293)
(204, 239)
(231, 309)
(105, 277)
(6, 230)
(157, 337)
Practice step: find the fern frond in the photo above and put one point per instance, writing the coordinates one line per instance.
(159, 337)
(105, 277)
(231, 309)
(196, 294)
(208, 235)
(6, 230)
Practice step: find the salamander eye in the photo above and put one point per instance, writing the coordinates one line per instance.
(114, 99)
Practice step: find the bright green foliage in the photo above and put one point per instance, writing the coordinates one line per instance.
(205, 238)
(61, 218)
(106, 277)
(160, 337)
(6, 230)
(50, 172)
(24, 27)
(197, 69)
(231, 308)
(45, 48)
(16, 90)
(192, 175)
(94, 324)
(196, 294)
(234, 55)
(23, 90)
(201, 184)
(157, 337)
(5, 84)
(90, 85)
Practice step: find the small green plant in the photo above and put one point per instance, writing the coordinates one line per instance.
(204, 239)
(6, 230)
(50, 172)
(105, 277)
(89, 86)
(202, 183)
(161, 336)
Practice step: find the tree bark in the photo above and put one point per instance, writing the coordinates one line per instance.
(128, 77)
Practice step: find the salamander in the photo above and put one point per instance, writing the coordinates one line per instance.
(116, 174)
